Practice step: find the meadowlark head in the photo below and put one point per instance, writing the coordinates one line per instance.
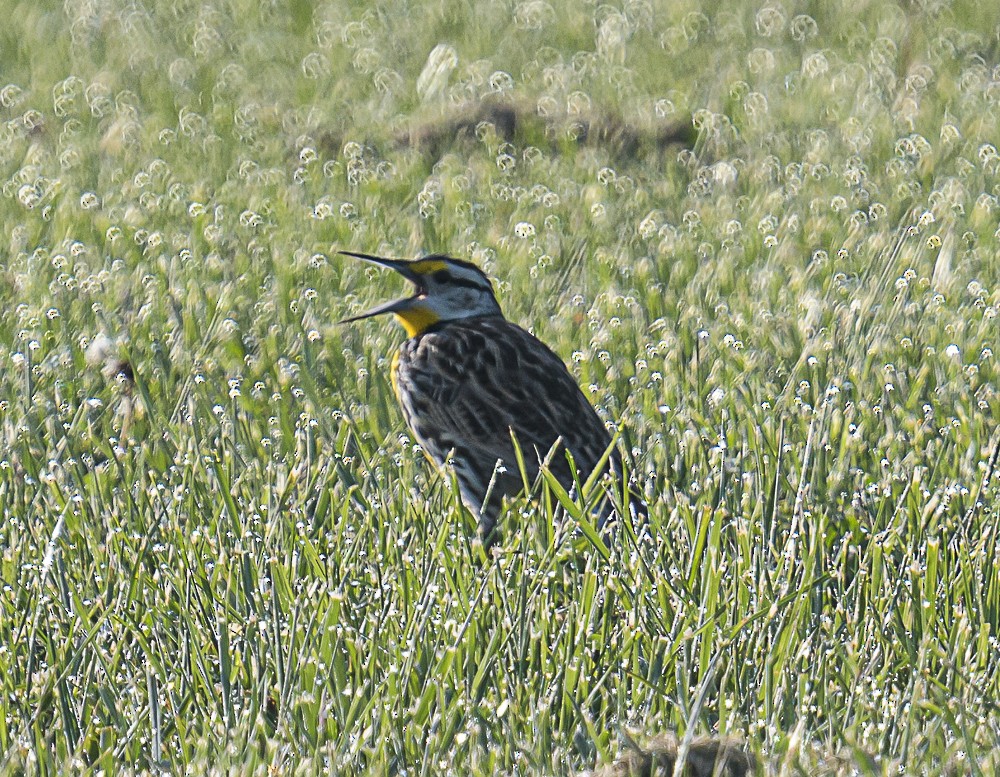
(446, 290)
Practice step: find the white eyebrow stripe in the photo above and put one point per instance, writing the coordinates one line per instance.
(467, 276)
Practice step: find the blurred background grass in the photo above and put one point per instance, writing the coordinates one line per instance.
(239, 559)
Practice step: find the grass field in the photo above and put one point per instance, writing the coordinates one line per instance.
(239, 561)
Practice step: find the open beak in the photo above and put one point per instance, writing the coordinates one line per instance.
(400, 266)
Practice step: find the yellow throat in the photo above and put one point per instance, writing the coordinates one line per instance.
(417, 320)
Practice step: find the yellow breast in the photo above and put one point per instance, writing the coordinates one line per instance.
(394, 375)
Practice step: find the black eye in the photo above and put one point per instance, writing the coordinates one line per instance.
(441, 276)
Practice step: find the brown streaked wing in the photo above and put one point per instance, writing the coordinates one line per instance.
(475, 381)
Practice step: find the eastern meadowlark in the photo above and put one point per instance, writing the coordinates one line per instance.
(470, 382)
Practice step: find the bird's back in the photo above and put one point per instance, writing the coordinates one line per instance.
(465, 385)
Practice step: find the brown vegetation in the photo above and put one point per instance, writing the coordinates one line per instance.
(523, 123)
(706, 756)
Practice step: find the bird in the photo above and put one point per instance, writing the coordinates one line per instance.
(470, 382)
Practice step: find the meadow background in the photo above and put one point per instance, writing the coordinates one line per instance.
(238, 560)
